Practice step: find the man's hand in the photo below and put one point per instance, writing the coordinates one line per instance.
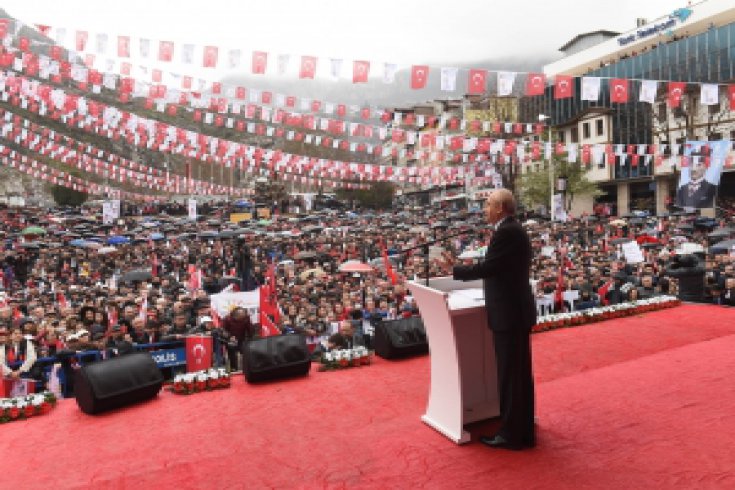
(15, 375)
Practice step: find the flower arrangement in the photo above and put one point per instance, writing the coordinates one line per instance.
(559, 320)
(345, 358)
(208, 380)
(24, 407)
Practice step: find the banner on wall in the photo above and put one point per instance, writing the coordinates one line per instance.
(700, 176)
(108, 212)
(193, 209)
(559, 213)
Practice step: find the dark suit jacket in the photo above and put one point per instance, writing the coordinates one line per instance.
(702, 198)
(505, 270)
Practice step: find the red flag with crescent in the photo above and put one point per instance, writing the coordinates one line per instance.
(419, 76)
(619, 90)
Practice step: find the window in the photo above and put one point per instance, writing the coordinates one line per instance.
(561, 136)
(661, 113)
(714, 109)
(575, 135)
(600, 123)
(715, 136)
(732, 135)
(586, 130)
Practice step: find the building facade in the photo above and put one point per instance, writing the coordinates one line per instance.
(695, 44)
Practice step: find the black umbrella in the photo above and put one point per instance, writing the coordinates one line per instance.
(137, 275)
(228, 234)
(722, 247)
(618, 241)
(722, 232)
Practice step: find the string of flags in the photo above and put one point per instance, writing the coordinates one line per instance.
(261, 62)
(164, 93)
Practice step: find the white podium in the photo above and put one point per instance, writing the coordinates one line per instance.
(464, 387)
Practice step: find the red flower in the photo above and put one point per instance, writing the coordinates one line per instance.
(45, 407)
(14, 413)
(28, 410)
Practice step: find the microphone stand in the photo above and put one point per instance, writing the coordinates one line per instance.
(425, 246)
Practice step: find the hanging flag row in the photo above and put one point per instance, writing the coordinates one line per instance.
(176, 89)
(113, 123)
(39, 170)
(621, 91)
(68, 151)
(477, 79)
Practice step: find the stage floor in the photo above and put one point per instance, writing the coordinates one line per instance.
(640, 402)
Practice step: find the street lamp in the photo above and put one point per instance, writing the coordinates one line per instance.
(542, 118)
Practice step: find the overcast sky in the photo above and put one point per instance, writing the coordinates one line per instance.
(400, 31)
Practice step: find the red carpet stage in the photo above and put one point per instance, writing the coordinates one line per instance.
(640, 402)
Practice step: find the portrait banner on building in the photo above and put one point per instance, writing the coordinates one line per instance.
(700, 175)
(108, 212)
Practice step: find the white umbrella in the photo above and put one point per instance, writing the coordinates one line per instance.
(106, 250)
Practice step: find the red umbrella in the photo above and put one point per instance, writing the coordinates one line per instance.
(355, 266)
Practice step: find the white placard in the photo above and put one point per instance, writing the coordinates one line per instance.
(632, 253)
(108, 213)
(193, 209)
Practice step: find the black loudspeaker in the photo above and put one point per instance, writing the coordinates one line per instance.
(118, 382)
(280, 356)
(400, 338)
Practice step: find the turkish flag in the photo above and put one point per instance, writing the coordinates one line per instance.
(619, 90)
(216, 87)
(55, 52)
(156, 75)
(476, 81)
(731, 96)
(341, 110)
(165, 51)
(563, 87)
(81, 40)
(360, 70)
(240, 92)
(308, 67)
(210, 56)
(125, 68)
(290, 101)
(419, 75)
(24, 43)
(266, 97)
(676, 90)
(123, 46)
(535, 84)
(186, 82)
(260, 62)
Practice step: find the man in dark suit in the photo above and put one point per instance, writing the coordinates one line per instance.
(698, 192)
(511, 312)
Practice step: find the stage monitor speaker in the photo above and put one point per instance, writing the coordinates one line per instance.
(117, 382)
(403, 337)
(279, 356)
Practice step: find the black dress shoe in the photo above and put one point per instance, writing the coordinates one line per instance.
(500, 442)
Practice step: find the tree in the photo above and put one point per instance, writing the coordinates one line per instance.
(535, 188)
(63, 196)
(378, 196)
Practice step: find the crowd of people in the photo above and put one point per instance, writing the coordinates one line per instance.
(65, 289)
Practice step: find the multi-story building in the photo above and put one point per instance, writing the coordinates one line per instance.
(694, 44)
